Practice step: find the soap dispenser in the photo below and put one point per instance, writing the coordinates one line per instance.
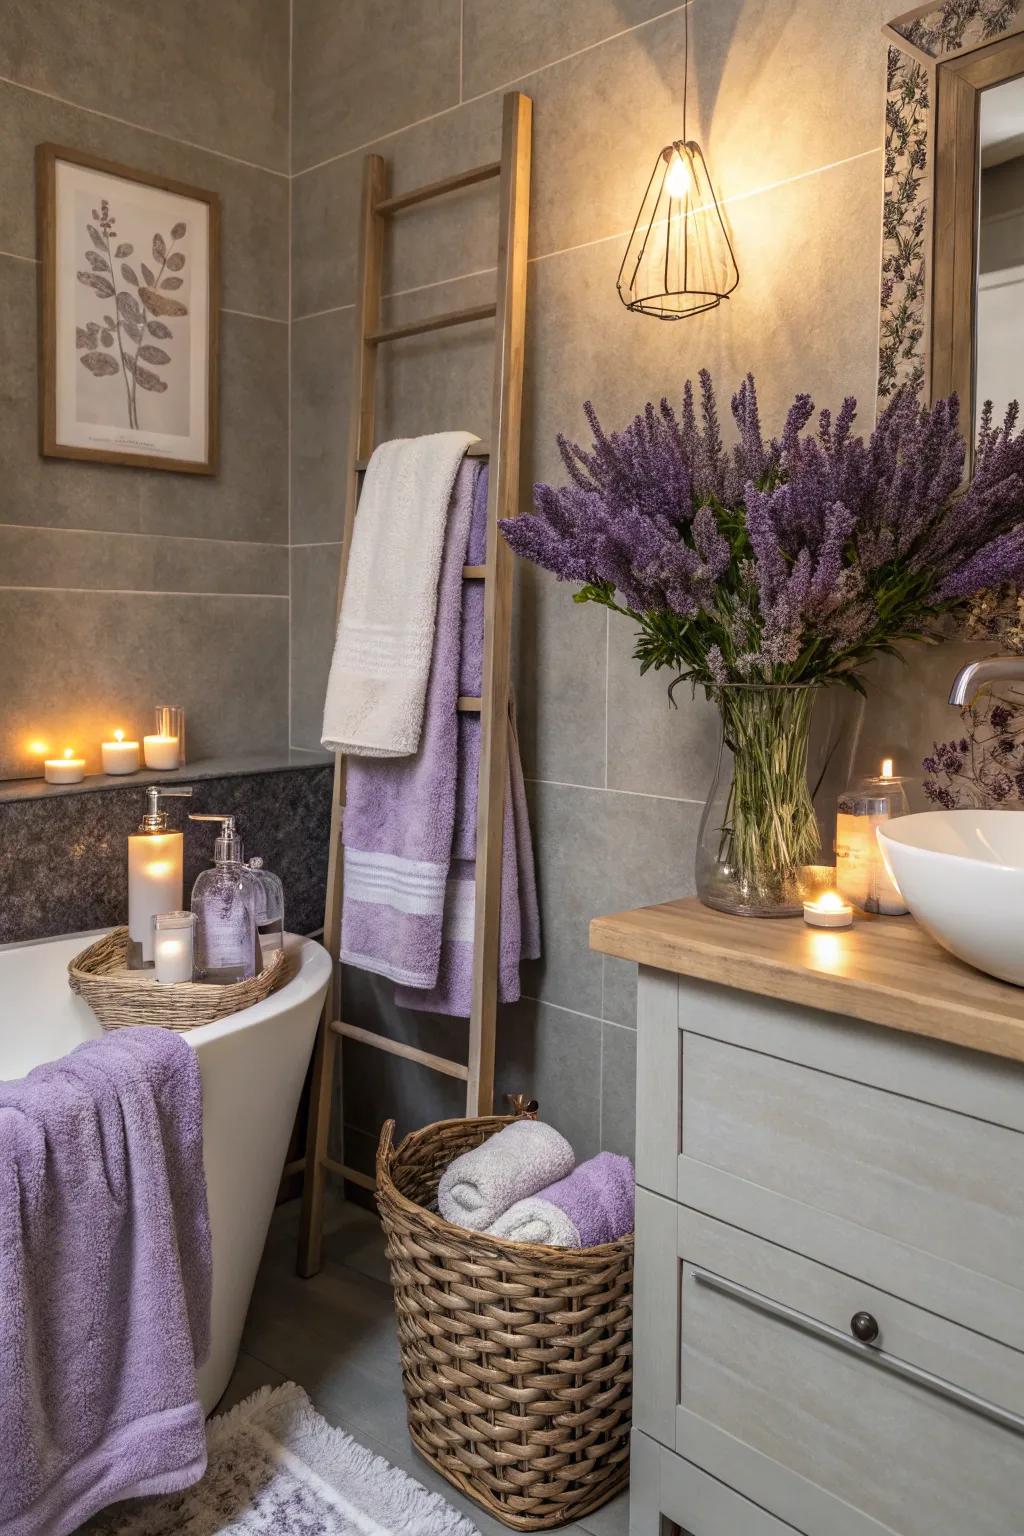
(155, 860)
(224, 900)
(269, 908)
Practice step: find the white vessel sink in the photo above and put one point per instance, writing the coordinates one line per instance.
(962, 876)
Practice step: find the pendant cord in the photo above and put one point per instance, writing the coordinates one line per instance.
(686, 60)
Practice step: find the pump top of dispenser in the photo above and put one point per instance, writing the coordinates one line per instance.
(155, 820)
(227, 848)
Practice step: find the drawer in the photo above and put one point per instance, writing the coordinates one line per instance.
(663, 1484)
(919, 1431)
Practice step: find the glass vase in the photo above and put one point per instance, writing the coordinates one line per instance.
(758, 849)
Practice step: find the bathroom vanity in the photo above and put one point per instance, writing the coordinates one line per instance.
(829, 1307)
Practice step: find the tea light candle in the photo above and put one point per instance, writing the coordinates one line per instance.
(161, 751)
(172, 946)
(120, 756)
(828, 910)
(68, 769)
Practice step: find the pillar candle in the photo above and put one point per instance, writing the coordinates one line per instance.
(68, 769)
(120, 756)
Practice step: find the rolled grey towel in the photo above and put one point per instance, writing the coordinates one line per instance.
(478, 1186)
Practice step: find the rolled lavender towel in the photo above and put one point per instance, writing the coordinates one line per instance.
(593, 1205)
(520, 1160)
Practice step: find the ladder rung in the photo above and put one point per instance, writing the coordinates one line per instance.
(469, 706)
(474, 451)
(474, 572)
(434, 323)
(439, 188)
(344, 1172)
(399, 1048)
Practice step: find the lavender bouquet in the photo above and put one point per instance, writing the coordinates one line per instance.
(766, 571)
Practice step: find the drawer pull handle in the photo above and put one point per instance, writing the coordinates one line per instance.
(875, 1356)
(864, 1327)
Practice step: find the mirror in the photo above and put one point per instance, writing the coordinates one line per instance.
(999, 304)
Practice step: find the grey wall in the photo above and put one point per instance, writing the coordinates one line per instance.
(787, 99)
(121, 588)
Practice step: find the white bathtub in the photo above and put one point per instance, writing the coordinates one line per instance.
(252, 1067)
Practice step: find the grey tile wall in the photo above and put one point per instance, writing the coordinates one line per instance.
(121, 588)
(788, 102)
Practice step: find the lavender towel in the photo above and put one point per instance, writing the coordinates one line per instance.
(400, 812)
(105, 1277)
(519, 924)
(593, 1205)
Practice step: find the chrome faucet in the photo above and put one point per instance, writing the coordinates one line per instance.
(993, 669)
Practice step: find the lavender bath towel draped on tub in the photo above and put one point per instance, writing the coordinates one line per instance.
(410, 825)
(105, 1276)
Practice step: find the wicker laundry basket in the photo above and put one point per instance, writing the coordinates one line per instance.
(516, 1358)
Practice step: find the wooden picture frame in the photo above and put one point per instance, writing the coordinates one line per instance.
(129, 315)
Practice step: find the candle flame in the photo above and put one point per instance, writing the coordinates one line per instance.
(886, 767)
(119, 735)
(830, 901)
(69, 751)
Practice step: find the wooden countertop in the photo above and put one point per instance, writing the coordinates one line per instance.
(885, 970)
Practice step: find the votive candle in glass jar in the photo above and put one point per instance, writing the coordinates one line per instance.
(861, 875)
(173, 945)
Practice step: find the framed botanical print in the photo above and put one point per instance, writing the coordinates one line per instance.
(130, 308)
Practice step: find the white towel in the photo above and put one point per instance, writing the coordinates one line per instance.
(521, 1159)
(378, 680)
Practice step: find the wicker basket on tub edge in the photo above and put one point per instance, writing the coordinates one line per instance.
(516, 1358)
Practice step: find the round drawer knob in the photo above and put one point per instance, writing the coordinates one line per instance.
(864, 1327)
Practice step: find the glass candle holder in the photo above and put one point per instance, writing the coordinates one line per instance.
(173, 945)
(166, 747)
(861, 875)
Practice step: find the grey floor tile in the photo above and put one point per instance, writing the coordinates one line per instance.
(248, 1376)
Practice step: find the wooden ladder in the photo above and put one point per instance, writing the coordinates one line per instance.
(509, 311)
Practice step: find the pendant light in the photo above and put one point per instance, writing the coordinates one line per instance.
(679, 260)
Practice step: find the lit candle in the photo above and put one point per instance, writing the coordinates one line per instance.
(172, 946)
(68, 769)
(861, 875)
(828, 910)
(161, 751)
(120, 756)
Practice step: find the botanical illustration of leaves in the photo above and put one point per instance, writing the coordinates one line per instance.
(147, 380)
(160, 304)
(176, 261)
(96, 280)
(129, 363)
(99, 363)
(124, 250)
(178, 231)
(159, 330)
(97, 262)
(107, 338)
(109, 322)
(159, 248)
(96, 238)
(132, 331)
(128, 273)
(154, 355)
(128, 307)
(171, 282)
(81, 338)
(149, 276)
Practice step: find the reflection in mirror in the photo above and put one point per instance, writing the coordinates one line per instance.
(999, 335)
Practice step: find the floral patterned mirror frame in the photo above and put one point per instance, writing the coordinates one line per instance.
(920, 44)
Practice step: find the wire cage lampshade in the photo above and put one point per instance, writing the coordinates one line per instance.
(679, 260)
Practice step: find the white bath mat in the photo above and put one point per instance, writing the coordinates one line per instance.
(278, 1469)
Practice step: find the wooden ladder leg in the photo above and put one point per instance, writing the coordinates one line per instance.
(312, 1221)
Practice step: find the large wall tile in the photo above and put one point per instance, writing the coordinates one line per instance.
(215, 75)
(62, 557)
(254, 203)
(321, 371)
(360, 71)
(654, 747)
(547, 1053)
(429, 243)
(559, 677)
(247, 499)
(443, 379)
(314, 603)
(570, 840)
(90, 660)
(502, 42)
(618, 1090)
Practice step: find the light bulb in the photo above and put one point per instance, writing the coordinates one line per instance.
(678, 181)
